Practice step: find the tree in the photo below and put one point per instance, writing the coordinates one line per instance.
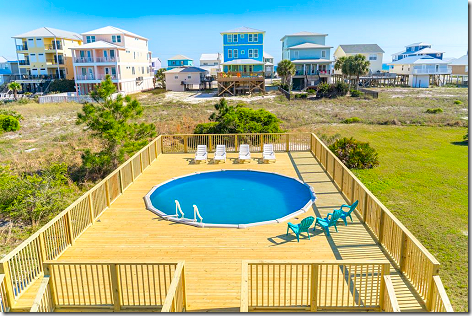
(286, 69)
(338, 65)
(109, 120)
(15, 87)
(356, 65)
(239, 119)
(160, 77)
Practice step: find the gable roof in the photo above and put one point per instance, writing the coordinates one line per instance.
(210, 56)
(267, 55)
(418, 44)
(304, 33)
(427, 50)
(418, 60)
(50, 32)
(109, 30)
(98, 44)
(461, 61)
(180, 57)
(361, 48)
(243, 29)
(308, 46)
(3, 60)
(186, 69)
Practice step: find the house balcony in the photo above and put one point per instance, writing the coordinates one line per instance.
(432, 71)
(22, 47)
(24, 62)
(53, 47)
(315, 73)
(53, 62)
(240, 76)
(91, 60)
(94, 77)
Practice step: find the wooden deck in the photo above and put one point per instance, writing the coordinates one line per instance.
(213, 256)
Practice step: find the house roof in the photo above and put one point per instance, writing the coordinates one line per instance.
(418, 60)
(5, 72)
(180, 57)
(50, 32)
(3, 60)
(243, 62)
(109, 30)
(98, 44)
(304, 61)
(267, 55)
(210, 56)
(418, 44)
(461, 61)
(186, 69)
(304, 33)
(361, 48)
(308, 46)
(427, 51)
(243, 29)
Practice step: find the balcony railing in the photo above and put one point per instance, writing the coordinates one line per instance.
(52, 46)
(36, 77)
(238, 74)
(24, 62)
(97, 77)
(96, 60)
(313, 73)
(432, 71)
(22, 47)
(54, 62)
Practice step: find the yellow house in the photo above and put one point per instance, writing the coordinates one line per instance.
(123, 55)
(45, 54)
(372, 52)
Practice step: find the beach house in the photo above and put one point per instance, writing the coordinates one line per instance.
(268, 65)
(311, 56)
(185, 78)
(45, 54)
(9, 71)
(418, 49)
(421, 70)
(372, 52)
(123, 55)
(460, 69)
(155, 64)
(211, 63)
(179, 61)
(243, 64)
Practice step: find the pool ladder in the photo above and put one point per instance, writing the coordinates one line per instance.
(195, 212)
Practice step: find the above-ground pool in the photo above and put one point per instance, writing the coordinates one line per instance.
(231, 198)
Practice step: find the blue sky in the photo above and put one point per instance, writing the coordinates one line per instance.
(193, 27)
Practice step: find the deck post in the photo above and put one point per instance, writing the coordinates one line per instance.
(210, 143)
(244, 288)
(364, 211)
(314, 288)
(149, 154)
(155, 148)
(121, 179)
(185, 144)
(47, 273)
(69, 228)
(5, 269)
(90, 202)
(107, 191)
(403, 252)
(42, 247)
(141, 161)
(287, 142)
(115, 283)
(132, 170)
(381, 226)
(236, 142)
(385, 271)
(430, 294)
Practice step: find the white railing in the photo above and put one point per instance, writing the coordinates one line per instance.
(442, 71)
(96, 77)
(83, 60)
(96, 59)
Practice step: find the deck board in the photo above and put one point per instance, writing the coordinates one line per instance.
(127, 231)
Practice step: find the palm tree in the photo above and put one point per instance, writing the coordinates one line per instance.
(338, 65)
(286, 69)
(15, 87)
(356, 65)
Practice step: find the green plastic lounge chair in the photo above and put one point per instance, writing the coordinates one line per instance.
(326, 223)
(302, 227)
(344, 214)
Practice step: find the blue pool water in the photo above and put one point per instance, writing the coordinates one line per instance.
(233, 196)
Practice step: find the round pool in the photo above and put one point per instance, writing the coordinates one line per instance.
(230, 198)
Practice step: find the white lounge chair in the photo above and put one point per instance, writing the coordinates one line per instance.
(244, 153)
(220, 153)
(201, 154)
(268, 153)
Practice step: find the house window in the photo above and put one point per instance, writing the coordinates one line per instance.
(230, 38)
(256, 53)
(176, 77)
(241, 35)
(242, 52)
(235, 53)
(296, 54)
(323, 54)
(132, 71)
(90, 39)
(230, 53)
(235, 38)
(116, 38)
(254, 39)
(250, 37)
(373, 57)
(142, 70)
(250, 52)
(189, 77)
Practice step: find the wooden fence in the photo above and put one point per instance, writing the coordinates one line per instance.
(412, 258)
(24, 265)
(107, 286)
(390, 303)
(327, 285)
(187, 143)
(4, 302)
(440, 301)
(43, 302)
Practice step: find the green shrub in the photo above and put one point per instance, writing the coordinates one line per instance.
(62, 85)
(15, 114)
(356, 93)
(351, 120)
(355, 154)
(205, 128)
(301, 95)
(286, 87)
(23, 101)
(434, 111)
(311, 91)
(466, 136)
(459, 102)
(342, 88)
(9, 123)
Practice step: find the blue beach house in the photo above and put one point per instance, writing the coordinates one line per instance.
(418, 49)
(179, 61)
(243, 50)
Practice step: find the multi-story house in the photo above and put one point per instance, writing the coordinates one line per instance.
(311, 57)
(123, 55)
(243, 64)
(420, 69)
(155, 64)
(268, 65)
(179, 61)
(211, 63)
(8, 69)
(459, 68)
(418, 49)
(372, 52)
(44, 55)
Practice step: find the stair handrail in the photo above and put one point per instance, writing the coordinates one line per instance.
(196, 213)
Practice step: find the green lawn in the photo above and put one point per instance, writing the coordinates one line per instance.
(423, 179)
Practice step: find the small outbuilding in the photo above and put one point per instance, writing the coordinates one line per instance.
(186, 78)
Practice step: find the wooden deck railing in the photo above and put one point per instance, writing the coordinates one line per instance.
(176, 299)
(327, 285)
(390, 303)
(4, 302)
(412, 258)
(183, 143)
(43, 302)
(109, 286)
(440, 301)
(24, 265)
